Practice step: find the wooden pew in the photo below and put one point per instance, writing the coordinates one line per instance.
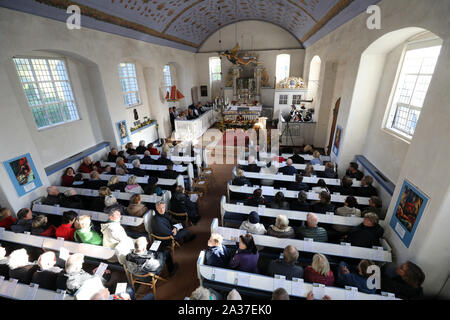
(318, 168)
(161, 182)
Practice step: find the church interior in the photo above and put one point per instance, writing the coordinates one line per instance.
(224, 150)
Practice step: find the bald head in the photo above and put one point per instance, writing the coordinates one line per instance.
(311, 220)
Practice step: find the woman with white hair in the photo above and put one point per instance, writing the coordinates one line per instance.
(141, 148)
(19, 266)
(111, 205)
(281, 229)
(115, 237)
(47, 274)
(319, 271)
(133, 186)
(75, 274)
(202, 293)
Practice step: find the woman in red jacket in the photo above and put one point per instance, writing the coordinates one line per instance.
(6, 221)
(68, 177)
(319, 271)
(65, 230)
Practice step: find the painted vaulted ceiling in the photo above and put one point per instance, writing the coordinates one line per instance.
(186, 24)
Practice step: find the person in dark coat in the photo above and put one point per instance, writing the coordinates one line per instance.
(286, 266)
(366, 190)
(24, 221)
(112, 155)
(297, 159)
(355, 279)
(136, 170)
(240, 179)
(252, 166)
(180, 203)
(246, 257)
(19, 267)
(288, 170)
(367, 234)
(298, 185)
(169, 173)
(353, 171)
(53, 196)
(162, 226)
(147, 159)
(48, 273)
(94, 182)
(405, 283)
(141, 149)
(217, 255)
(323, 205)
(301, 204)
(72, 200)
(163, 160)
(256, 199)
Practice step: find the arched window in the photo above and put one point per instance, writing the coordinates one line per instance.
(167, 77)
(411, 88)
(128, 81)
(283, 66)
(215, 69)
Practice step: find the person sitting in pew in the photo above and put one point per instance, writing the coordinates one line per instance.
(163, 160)
(137, 209)
(349, 209)
(268, 169)
(94, 182)
(202, 293)
(78, 181)
(280, 294)
(367, 234)
(121, 167)
(133, 156)
(240, 179)
(298, 185)
(141, 262)
(297, 159)
(251, 166)
(346, 187)
(68, 177)
(6, 220)
(129, 148)
(115, 237)
(47, 274)
(40, 227)
(53, 196)
(217, 255)
(115, 185)
(252, 224)
(356, 279)
(316, 159)
(324, 204)
(111, 205)
(84, 232)
(234, 295)
(136, 170)
(308, 149)
(405, 282)
(169, 173)
(319, 271)
(353, 171)
(366, 190)
(376, 206)
(112, 155)
(256, 199)
(289, 169)
(86, 165)
(161, 226)
(4, 269)
(147, 159)
(107, 169)
(286, 266)
(141, 148)
(19, 266)
(152, 149)
(246, 257)
(279, 202)
(98, 203)
(180, 202)
(133, 186)
(320, 187)
(281, 229)
(24, 221)
(329, 172)
(66, 230)
(301, 204)
(153, 189)
(311, 230)
(72, 200)
(309, 171)
(191, 115)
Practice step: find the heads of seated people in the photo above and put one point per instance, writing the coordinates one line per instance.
(69, 217)
(25, 214)
(47, 260)
(94, 175)
(280, 294)
(142, 143)
(257, 193)
(411, 274)
(320, 264)
(366, 181)
(346, 182)
(110, 201)
(114, 151)
(234, 295)
(324, 197)
(302, 196)
(215, 240)
(161, 207)
(136, 199)
(307, 149)
(4, 213)
(371, 219)
(351, 202)
(115, 216)
(69, 172)
(129, 146)
(353, 167)
(239, 173)
(18, 259)
(147, 153)
(201, 293)
(132, 180)
(253, 217)
(282, 222)
(87, 161)
(251, 159)
(298, 178)
(136, 163)
(74, 263)
(70, 192)
(105, 191)
(290, 254)
(120, 162)
(375, 202)
(39, 221)
(311, 220)
(247, 243)
(289, 162)
(309, 170)
(113, 180)
(140, 245)
(329, 165)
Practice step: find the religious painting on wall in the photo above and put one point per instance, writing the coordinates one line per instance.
(337, 140)
(23, 174)
(407, 212)
(123, 132)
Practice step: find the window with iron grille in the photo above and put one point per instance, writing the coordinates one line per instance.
(283, 99)
(411, 89)
(128, 82)
(47, 88)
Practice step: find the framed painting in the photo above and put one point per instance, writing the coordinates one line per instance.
(23, 174)
(123, 132)
(408, 210)
(337, 140)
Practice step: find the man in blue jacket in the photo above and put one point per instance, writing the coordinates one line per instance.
(288, 169)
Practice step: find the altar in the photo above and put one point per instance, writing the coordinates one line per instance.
(188, 130)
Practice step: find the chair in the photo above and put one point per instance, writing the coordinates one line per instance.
(206, 174)
(138, 279)
(178, 215)
(173, 244)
